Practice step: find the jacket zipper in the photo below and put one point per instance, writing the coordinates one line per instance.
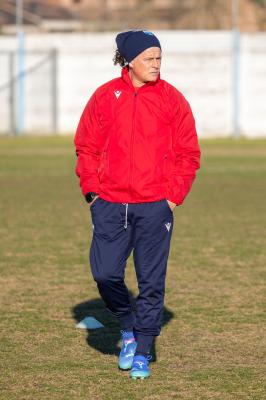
(132, 142)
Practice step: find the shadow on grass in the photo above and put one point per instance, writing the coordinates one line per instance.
(106, 340)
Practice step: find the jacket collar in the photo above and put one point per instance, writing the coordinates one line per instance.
(126, 78)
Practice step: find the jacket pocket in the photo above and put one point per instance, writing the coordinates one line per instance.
(167, 206)
(95, 201)
(102, 170)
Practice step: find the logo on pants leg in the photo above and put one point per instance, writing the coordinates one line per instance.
(168, 226)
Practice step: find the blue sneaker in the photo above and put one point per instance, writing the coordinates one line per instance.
(140, 367)
(128, 349)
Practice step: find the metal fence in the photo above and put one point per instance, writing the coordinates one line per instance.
(39, 96)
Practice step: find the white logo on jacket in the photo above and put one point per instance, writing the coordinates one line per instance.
(117, 93)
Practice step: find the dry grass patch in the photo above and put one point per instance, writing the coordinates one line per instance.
(213, 339)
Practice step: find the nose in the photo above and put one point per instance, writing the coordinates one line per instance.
(156, 63)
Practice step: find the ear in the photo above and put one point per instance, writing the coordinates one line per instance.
(130, 64)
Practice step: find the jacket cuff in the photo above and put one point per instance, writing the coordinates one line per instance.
(173, 197)
(86, 188)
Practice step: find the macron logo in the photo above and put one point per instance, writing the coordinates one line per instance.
(117, 93)
(168, 226)
(140, 363)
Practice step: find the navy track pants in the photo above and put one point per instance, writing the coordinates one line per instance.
(119, 228)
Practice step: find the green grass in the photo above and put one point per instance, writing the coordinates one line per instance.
(212, 345)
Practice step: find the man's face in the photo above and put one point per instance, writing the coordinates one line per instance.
(146, 66)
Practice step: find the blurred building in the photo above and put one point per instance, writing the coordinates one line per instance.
(113, 15)
(50, 81)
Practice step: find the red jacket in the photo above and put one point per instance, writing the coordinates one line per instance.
(137, 146)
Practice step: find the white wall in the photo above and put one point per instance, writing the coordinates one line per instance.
(198, 63)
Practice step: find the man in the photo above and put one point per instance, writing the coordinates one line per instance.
(137, 154)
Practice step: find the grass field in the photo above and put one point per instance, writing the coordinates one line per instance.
(212, 345)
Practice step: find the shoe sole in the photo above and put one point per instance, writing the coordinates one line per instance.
(139, 377)
(124, 369)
